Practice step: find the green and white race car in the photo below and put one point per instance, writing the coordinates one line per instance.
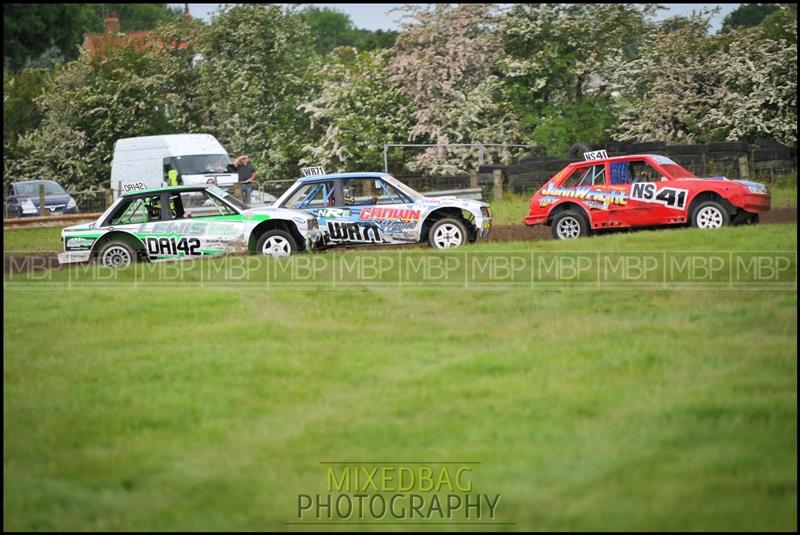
(186, 222)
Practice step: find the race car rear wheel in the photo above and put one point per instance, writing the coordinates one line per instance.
(276, 243)
(710, 215)
(568, 225)
(117, 254)
(448, 232)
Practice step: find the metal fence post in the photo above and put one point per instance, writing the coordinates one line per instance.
(497, 182)
(473, 178)
(744, 171)
(42, 205)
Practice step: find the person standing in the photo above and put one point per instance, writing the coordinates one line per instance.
(247, 175)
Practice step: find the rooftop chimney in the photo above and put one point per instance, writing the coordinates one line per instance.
(111, 23)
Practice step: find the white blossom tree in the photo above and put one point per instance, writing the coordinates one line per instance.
(445, 62)
(358, 109)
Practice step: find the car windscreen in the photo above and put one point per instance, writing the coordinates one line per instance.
(228, 197)
(31, 189)
(675, 170)
(200, 164)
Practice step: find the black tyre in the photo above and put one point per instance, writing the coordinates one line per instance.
(569, 224)
(710, 215)
(577, 149)
(276, 243)
(116, 254)
(448, 232)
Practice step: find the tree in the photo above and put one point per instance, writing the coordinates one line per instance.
(358, 110)
(90, 106)
(746, 16)
(331, 28)
(20, 114)
(259, 66)
(444, 61)
(557, 61)
(30, 30)
(665, 92)
(756, 96)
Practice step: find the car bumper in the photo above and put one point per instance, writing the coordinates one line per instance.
(72, 257)
(754, 203)
(314, 240)
(535, 219)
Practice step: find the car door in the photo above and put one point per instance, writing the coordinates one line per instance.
(373, 211)
(203, 224)
(650, 199)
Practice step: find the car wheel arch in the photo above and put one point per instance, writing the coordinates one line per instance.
(442, 212)
(561, 207)
(709, 195)
(118, 235)
(275, 224)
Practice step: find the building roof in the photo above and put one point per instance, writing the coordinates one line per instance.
(100, 43)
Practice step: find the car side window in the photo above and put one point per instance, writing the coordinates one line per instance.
(594, 175)
(191, 204)
(313, 195)
(641, 171)
(137, 210)
(371, 191)
(620, 173)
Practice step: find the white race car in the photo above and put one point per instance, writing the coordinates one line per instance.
(186, 222)
(376, 208)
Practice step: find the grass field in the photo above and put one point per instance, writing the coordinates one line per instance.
(212, 408)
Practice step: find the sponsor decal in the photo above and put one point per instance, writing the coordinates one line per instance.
(354, 232)
(389, 214)
(173, 246)
(181, 227)
(79, 243)
(669, 197)
(547, 201)
(334, 212)
(604, 198)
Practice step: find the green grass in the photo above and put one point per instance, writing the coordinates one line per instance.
(34, 239)
(212, 408)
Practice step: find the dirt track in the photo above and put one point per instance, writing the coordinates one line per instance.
(499, 234)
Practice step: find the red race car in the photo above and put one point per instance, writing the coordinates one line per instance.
(642, 190)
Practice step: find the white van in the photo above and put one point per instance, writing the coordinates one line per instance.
(144, 162)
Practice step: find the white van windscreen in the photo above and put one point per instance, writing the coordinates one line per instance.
(201, 164)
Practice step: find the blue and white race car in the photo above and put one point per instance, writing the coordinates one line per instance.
(376, 208)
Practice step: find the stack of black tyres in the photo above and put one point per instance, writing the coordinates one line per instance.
(723, 158)
(772, 158)
(529, 173)
(692, 157)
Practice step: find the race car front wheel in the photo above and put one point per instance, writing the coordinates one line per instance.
(446, 233)
(117, 254)
(276, 243)
(710, 214)
(568, 225)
